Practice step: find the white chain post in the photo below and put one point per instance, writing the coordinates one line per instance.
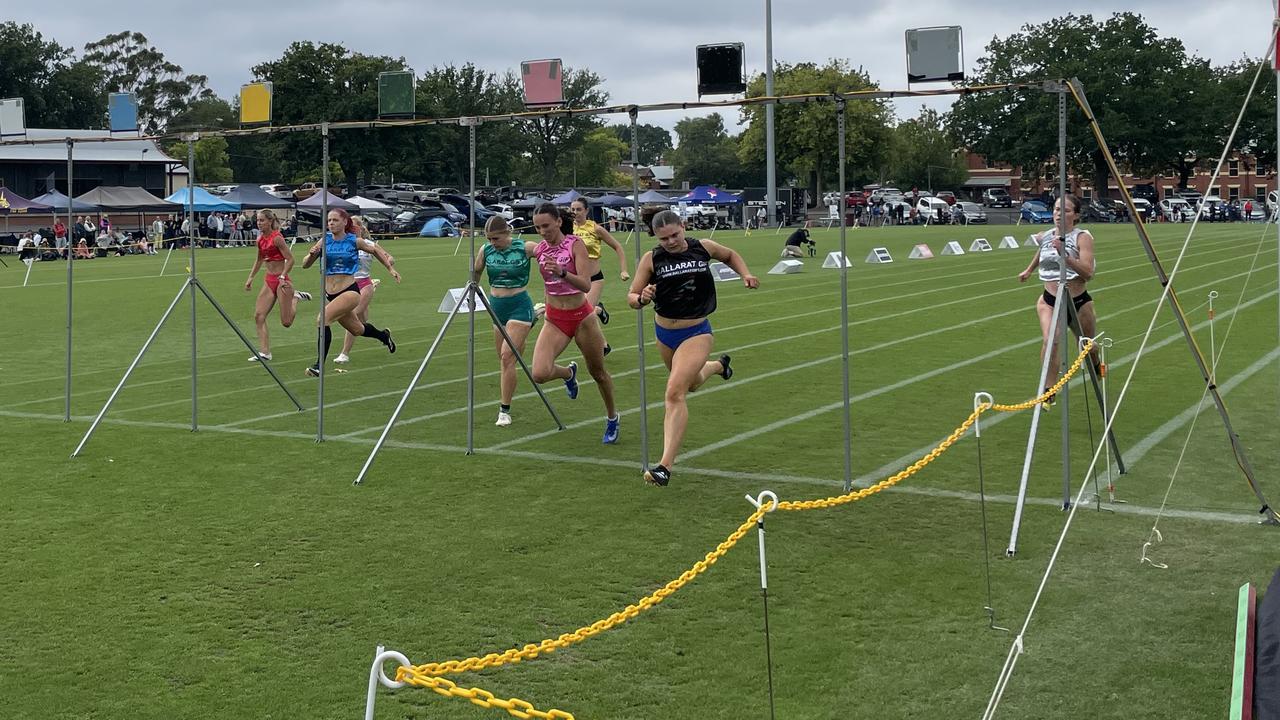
(376, 675)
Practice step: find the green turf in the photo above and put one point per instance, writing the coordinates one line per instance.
(236, 573)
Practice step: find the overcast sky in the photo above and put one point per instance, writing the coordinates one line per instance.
(643, 58)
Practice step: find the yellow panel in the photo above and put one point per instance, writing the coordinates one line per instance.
(255, 103)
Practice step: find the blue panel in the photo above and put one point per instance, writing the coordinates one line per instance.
(123, 108)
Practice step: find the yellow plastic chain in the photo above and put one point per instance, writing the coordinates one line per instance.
(428, 675)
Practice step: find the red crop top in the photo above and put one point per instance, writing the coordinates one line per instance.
(267, 250)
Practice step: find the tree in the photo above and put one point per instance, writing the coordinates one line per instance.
(806, 141)
(1137, 85)
(595, 163)
(213, 165)
(1257, 133)
(314, 83)
(57, 90)
(654, 142)
(923, 154)
(549, 138)
(131, 64)
(706, 154)
(442, 153)
(207, 113)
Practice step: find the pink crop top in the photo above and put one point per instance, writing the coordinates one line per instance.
(562, 254)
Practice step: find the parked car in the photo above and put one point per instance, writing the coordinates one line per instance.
(1145, 207)
(284, 192)
(306, 190)
(1191, 196)
(411, 221)
(503, 210)
(1175, 209)
(1146, 191)
(973, 213)
(857, 197)
(885, 192)
(1034, 211)
(1096, 212)
(464, 206)
(929, 207)
(946, 195)
(997, 197)
(440, 191)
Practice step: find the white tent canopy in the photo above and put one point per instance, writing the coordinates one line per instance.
(367, 204)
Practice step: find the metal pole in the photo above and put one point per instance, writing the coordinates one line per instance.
(768, 500)
(471, 297)
(324, 298)
(632, 113)
(102, 413)
(770, 155)
(1237, 447)
(1065, 297)
(66, 417)
(191, 223)
(844, 308)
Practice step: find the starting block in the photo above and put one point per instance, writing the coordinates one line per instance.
(1008, 243)
(920, 252)
(879, 255)
(787, 267)
(833, 260)
(952, 248)
(980, 245)
(722, 272)
(1030, 242)
(453, 298)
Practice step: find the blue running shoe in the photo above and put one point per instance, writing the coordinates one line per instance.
(572, 383)
(611, 430)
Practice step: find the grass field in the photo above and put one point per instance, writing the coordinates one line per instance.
(236, 573)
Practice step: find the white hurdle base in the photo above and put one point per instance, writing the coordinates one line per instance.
(952, 248)
(787, 267)
(833, 260)
(1008, 243)
(980, 245)
(920, 252)
(453, 298)
(722, 272)
(879, 256)
(1030, 242)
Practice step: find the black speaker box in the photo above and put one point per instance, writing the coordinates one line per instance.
(721, 70)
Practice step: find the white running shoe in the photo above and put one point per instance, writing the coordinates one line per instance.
(302, 294)
(259, 356)
(376, 282)
(504, 419)
(342, 358)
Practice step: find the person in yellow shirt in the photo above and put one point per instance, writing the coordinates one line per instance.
(592, 235)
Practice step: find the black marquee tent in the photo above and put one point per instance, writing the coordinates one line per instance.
(252, 197)
(127, 199)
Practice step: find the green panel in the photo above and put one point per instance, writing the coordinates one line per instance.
(1242, 641)
(395, 94)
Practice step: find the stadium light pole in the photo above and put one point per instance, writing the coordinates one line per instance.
(771, 177)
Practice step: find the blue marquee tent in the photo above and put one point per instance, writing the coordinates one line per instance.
(203, 200)
(653, 196)
(710, 195)
(613, 201)
(566, 198)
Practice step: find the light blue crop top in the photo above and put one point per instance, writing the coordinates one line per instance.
(341, 255)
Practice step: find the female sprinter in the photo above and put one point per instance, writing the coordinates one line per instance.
(507, 264)
(274, 252)
(676, 277)
(562, 260)
(592, 233)
(1075, 250)
(367, 287)
(341, 262)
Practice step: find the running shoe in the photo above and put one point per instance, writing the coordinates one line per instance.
(375, 283)
(259, 356)
(342, 358)
(571, 385)
(657, 475)
(608, 348)
(390, 343)
(313, 371)
(1102, 370)
(302, 295)
(1047, 405)
(727, 372)
(504, 419)
(611, 431)
(604, 314)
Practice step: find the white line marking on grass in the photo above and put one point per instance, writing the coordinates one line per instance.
(1206, 516)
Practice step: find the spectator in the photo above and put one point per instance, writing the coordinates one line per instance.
(60, 238)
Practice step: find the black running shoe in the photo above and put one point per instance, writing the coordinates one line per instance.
(313, 371)
(657, 475)
(390, 343)
(727, 372)
(608, 348)
(604, 314)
